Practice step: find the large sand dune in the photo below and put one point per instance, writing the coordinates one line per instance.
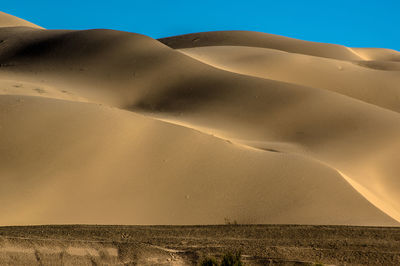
(7, 20)
(102, 126)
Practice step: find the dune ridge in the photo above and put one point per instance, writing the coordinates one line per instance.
(118, 127)
(7, 20)
(354, 79)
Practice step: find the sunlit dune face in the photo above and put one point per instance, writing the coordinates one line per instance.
(110, 127)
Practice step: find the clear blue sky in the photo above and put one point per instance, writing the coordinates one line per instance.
(356, 23)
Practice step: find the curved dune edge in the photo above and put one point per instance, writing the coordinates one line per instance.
(380, 204)
(7, 20)
(361, 56)
(297, 151)
(139, 74)
(378, 54)
(361, 80)
(272, 41)
(259, 39)
(77, 177)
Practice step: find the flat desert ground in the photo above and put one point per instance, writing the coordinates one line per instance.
(110, 127)
(188, 245)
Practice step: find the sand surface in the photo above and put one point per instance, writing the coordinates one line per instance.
(110, 127)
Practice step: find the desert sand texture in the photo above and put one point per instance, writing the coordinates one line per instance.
(110, 127)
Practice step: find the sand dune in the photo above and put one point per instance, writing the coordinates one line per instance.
(355, 79)
(378, 54)
(7, 20)
(158, 173)
(264, 40)
(117, 127)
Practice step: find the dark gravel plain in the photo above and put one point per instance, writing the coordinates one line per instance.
(187, 245)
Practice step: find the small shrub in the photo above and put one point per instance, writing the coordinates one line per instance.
(230, 259)
(229, 222)
(209, 262)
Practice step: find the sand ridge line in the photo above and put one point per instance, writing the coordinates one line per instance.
(384, 206)
(360, 189)
(357, 54)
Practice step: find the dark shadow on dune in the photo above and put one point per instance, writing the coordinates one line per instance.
(270, 150)
(379, 65)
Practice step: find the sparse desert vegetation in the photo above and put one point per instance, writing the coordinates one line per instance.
(207, 245)
(228, 259)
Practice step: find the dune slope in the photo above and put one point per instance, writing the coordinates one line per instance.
(220, 137)
(103, 165)
(7, 20)
(357, 79)
(259, 39)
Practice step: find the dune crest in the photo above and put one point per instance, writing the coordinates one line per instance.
(378, 54)
(119, 128)
(7, 20)
(361, 80)
(261, 40)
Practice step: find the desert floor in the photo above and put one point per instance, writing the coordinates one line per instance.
(187, 245)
